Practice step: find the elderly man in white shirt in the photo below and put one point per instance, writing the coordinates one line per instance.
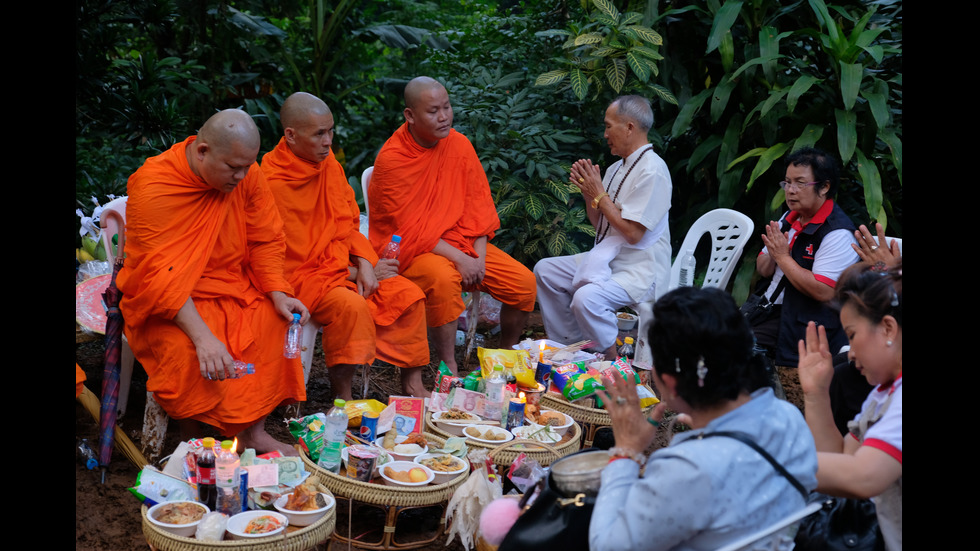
(580, 294)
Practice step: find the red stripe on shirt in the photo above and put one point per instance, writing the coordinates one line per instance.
(885, 447)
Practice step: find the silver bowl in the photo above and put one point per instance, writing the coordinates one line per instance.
(580, 473)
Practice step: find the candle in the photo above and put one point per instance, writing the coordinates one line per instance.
(515, 412)
(523, 399)
(541, 352)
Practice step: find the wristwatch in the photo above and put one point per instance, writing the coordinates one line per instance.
(595, 202)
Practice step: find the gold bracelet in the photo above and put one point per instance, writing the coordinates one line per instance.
(595, 202)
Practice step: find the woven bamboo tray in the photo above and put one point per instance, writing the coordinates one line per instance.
(381, 494)
(300, 539)
(544, 454)
(582, 414)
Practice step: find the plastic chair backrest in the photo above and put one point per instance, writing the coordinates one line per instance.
(888, 241)
(113, 222)
(777, 537)
(365, 183)
(730, 230)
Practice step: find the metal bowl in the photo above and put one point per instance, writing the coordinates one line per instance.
(580, 473)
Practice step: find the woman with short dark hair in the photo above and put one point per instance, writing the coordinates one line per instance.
(706, 489)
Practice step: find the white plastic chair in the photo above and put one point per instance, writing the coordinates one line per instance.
(365, 184)
(730, 230)
(778, 537)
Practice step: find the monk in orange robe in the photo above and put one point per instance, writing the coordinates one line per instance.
(365, 307)
(429, 187)
(203, 284)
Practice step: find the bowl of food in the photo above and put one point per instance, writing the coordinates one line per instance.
(445, 467)
(406, 474)
(558, 421)
(626, 321)
(177, 517)
(302, 508)
(453, 421)
(538, 433)
(405, 448)
(251, 525)
(487, 434)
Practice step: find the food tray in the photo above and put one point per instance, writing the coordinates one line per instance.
(298, 539)
(538, 451)
(379, 494)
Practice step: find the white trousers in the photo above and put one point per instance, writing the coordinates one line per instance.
(574, 314)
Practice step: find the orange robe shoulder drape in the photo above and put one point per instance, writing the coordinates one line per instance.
(322, 225)
(226, 252)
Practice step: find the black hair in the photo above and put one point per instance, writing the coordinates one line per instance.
(824, 166)
(875, 292)
(693, 325)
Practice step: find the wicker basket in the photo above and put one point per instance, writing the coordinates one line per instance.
(300, 539)
(380, 494)
(544, 454)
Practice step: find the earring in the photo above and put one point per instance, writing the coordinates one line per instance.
(702, 371)
(889, 343)
(677, 365)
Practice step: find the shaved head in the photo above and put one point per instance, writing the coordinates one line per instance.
(230, 127)
(416, 87)
(299, 107)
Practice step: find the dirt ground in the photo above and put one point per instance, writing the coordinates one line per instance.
(107, 516)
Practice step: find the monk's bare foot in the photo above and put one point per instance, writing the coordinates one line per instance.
(257, 438)
(412, 384)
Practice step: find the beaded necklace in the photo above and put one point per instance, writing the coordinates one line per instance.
(600, 231)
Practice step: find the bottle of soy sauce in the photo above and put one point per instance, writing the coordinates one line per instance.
(207, 491)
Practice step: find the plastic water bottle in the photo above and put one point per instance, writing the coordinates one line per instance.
(87, 455)
(227, 467)
(392, 248)
(207, 489)
(627, 349)
(495, 394)
(687, 269)
(241, 369)
(333, 437)
(294, 339)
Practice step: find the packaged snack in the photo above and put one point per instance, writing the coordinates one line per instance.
(356, 408)
(516, 362)
(472, 381)
(309, 431)
(561, 374)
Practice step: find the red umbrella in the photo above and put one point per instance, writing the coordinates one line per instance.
(110, 377)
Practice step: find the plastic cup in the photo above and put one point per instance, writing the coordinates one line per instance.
(360, 462)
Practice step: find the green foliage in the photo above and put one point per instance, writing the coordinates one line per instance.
(609, 49)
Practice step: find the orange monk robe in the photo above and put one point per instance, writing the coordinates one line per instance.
(322, 222)
(79, 380)
(225, 251)
(428, 194)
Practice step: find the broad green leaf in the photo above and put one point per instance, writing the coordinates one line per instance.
(765, 161)
(639, 66)
(729, 188)
(647, 52)
(722, 24)
(664, 94)
(729, 145)
(877, 98)
(606, 7)
(769, 49)
(755, 152)
(556, 245)
(631, 17)
(894, 144)
(727, 51)
(588, 38)
(646, 34)
(871, 179)
(850, 82)
(509, 207)
(683, 120)
(616, 73)
(774, 98)
(820, 9)
(559, 190)
(534, 206)
(551, 77)
(580, 84)
(846, 134)
(703, 149)
(719, 99)
(606, 20)
(753, 62)
(800, 87)
(553, 32)
(876, 52)
(603, 51)
(811, 134)
(777, 201)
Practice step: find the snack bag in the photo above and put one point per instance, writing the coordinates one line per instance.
(582, 385)
(356, 408)
(561, 374)
(309, 432)
(472, 381)
(517, 362)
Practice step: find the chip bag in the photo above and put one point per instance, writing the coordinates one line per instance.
(516, 362)
(356, 408)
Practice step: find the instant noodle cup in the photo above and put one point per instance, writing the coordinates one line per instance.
(361, 461)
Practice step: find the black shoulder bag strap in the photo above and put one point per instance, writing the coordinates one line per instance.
(747, 440)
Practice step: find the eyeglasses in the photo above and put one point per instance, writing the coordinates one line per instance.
(793, 186)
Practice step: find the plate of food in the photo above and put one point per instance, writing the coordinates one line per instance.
(177, 517)
(403, 448)
(305, 505)
(445, 466)
(407, 474)
(256, 524)
(453, 420)
(558, 421)
(487, 434)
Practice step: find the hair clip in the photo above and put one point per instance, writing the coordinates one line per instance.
(702, 371)
(677, 365)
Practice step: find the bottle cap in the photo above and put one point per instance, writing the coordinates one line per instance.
(226, 444)
(339, 403)
(296, 317)
(208, 442)
(396, 238)
(629, 340)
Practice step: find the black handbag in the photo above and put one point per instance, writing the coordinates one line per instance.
(843, 524)
(758, 308)
(552, 522)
